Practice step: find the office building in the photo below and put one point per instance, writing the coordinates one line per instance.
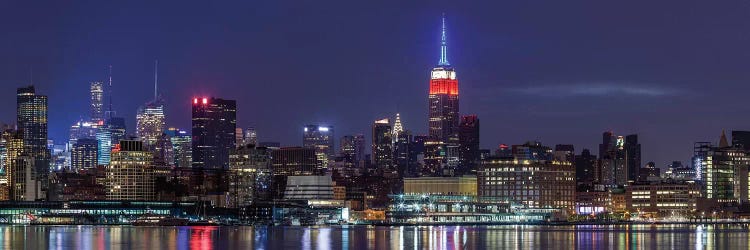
(251, 136)
(130, 175)
(620, 158)
(382, 145)
(26, 183)
(32, 122)
(150, 123)
(564, 152)
(741, 139)
(468, 144)
(289, 161)
(586, 168)
(97, 101)
(320, 138)
(181, 147)
(214, 123)
(443, 111)
(353, 150)
(84, 154)
(663, 199)
(533, 184)
(725, 173)
(250, 175)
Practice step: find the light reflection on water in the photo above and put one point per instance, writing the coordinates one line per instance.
(364, 237)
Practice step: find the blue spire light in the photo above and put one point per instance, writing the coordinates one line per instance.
(443, 47)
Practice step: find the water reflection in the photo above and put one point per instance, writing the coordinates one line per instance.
(369, 237)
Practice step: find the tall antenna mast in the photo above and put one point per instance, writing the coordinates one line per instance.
(110, 91)
(156, 78)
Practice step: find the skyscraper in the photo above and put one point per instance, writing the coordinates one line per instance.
(321, 139)
(620, 158)
(382, 145)
(443, 110)
(117, 129)
(251, 136)
(469, 144)
(84, 154)
(214, 123)
(97, 101)
(150, 123)
(32, 121)
(397, 128)
(181, 147)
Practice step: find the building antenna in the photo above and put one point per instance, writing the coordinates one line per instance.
(110, 91)
(156, 78)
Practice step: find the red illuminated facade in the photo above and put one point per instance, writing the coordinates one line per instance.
(443, 86)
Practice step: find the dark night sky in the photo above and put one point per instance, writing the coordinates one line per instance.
(674, 72)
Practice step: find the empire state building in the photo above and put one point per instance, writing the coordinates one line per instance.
(441, 154)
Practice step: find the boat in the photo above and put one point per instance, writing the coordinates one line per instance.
(151, 220)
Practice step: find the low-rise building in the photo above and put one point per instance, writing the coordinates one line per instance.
(662, 199)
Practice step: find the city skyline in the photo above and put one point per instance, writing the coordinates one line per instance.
(513, 107)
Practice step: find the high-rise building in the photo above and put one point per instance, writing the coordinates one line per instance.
(97, 101)
(294, 161)
(741, 139)
(26, 183)
(586, 168)
(116, 126)
(564, 152)
(251, 136)
(104, 138)
(214, 123)
(382, 150)
(443, 111)
(250, 170)
(181, 147)
(32, 121)
(404, 159)
(532, 151)
(353, 149)
(83, 130)
(700, 154)
(150, 123)
(620, 158)
(239, 137)
(321, 139)
(163, 151)
(397, 128)
(13, 148)
(130, 175)
(84, 154)
(469, 144)
(632, 157)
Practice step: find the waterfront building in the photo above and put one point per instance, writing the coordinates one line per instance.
(250, 175)
(534, 184)
(663, 199)
(83, 155)
(592, 202)
(443, 111)
(725, 173)
(214, 122)
(463, 185)
(309, 188)
(130, 175)
(321, 139)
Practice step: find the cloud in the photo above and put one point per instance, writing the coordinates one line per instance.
(596, 90)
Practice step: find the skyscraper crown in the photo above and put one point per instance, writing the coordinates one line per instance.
(443, 47)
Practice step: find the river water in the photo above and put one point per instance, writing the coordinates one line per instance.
(370, 237)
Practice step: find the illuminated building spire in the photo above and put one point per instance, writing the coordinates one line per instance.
(443, 47)
(397, 127)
